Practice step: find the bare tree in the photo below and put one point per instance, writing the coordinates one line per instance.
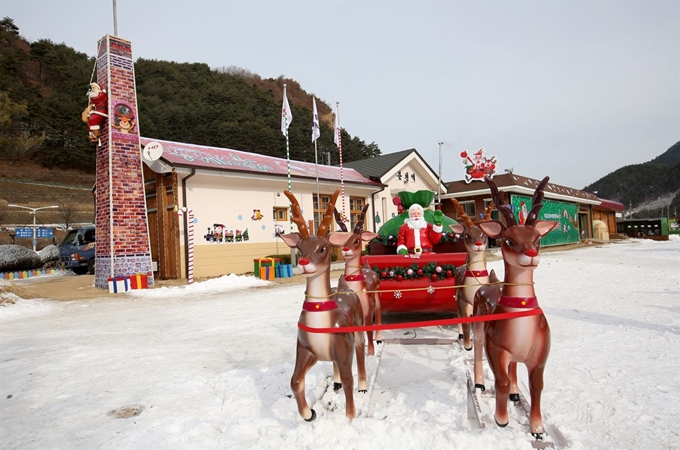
(67, 210)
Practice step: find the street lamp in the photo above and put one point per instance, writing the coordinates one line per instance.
(33, 210)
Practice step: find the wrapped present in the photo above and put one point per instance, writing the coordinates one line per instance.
(267, 273)
(119, 284)
(284, 271)
(139, 281)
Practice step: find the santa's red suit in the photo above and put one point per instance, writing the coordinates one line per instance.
(427, 236)
(99, 111)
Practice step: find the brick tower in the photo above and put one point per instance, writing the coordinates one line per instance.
(122, 247)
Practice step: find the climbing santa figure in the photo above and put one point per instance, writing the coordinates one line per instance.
(96, 112)
(417, 235)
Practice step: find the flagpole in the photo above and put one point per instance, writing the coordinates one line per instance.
(290, 189)
(318, 192)
(339, 142)
(286, 118)
(316, 132)
(439, 186)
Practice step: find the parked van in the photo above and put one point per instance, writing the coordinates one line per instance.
(76, 251)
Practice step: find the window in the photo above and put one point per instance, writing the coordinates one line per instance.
(495, 214)
(356, 204)
(324, 205)
(469, 208)
(280, 214)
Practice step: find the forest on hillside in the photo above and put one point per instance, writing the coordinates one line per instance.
(43, 89)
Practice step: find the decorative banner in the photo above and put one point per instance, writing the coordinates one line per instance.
(477, 166)
(565, 214)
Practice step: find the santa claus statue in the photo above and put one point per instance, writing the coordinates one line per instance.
(418, 236)
(96, 112)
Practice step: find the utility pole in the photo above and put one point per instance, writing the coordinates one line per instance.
(33, 211)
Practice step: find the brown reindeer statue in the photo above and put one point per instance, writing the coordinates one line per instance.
(325, 308)
(525, 339)
(362, 279)
(473, 274)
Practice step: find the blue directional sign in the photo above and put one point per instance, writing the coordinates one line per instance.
(24, 232)
(45, 233)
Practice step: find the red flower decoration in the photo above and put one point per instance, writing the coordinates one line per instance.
(434, 277)
(463, 154)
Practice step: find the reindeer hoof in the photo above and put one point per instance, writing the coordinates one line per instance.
(480, 387)
(379, 342)
(538, 436)
(337, 386)
(460, 336)
(514, 397)
(468, 349)
(311, 418)
(499, 424)
(363, 391)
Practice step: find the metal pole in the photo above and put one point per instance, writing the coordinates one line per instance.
(439, 185)
(115, 19)
(318, 192)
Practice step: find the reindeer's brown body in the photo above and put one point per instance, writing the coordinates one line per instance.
(362, 279)
(325, 308)
(473, 274)
(520, 340)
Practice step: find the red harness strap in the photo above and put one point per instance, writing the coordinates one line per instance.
(518, 302)
(327, 305)
(476, 273)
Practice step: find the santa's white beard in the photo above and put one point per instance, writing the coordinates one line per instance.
(416, 223)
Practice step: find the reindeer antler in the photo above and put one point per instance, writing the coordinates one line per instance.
(297, 214)
(500, 203)
(338, 220)
(461, 213)
(360, 223)
(536, 203)
(487, 214)
(328, 218)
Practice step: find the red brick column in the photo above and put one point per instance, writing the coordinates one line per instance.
(122, 247)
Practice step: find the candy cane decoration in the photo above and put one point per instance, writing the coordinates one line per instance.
(190, 242)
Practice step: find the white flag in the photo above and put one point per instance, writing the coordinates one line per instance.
(336, 138)
(316, 129)
(286, 115)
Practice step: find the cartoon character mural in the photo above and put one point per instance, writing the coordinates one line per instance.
(216, 234)
(257, 215)
(123, 118)
(478, 167)
(96, 111)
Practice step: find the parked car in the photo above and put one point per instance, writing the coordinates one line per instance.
(76, 251)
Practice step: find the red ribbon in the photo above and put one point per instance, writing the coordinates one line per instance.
(426, 323)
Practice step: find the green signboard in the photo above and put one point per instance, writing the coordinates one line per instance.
(565, 214)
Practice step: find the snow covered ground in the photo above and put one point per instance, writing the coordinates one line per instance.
(208, 366)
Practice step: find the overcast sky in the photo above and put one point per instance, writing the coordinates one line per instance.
(569, 89)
